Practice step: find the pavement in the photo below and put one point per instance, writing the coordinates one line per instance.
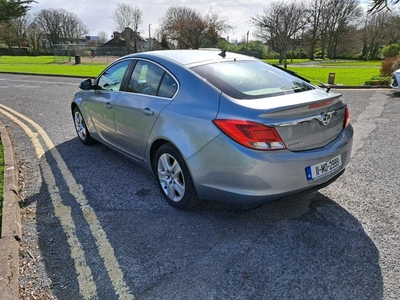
(11, 220)
(11, 232)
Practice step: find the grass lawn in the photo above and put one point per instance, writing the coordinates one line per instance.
(325, 63)
(83, 70)
(364, 64)
(46, 65)
(346, 72)
(346, 76)
(27, 60)
(289, 62)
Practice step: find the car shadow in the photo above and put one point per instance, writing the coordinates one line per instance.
(395, 94)
(306, 247)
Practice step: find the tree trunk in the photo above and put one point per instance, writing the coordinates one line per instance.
(285, 59)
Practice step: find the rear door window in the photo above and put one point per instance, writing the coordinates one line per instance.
(168, 87)
(150, 79)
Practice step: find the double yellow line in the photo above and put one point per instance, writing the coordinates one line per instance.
(87, 286)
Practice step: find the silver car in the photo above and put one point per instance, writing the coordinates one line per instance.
(216, 125)
(395, 80)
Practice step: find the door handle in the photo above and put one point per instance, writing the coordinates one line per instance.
(108, 105)
(148, 112)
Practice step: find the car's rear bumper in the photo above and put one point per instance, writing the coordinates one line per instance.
(227, 172)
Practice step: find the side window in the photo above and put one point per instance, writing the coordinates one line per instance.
(168, 87)
(112, 78)
(146, 78)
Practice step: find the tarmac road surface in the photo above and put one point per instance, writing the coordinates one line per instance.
(96, 227)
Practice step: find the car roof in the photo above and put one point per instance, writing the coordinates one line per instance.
(189, 57)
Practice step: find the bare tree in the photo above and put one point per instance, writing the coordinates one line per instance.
(164, 43)
(22, 31)
(379, 29)
(315, 14)
(60, 25)
(341, 18)
(125, 16)
(378, 5)
(184, 25)
(190, 29)
(6, 34)
(103, 37)
(331, 23)
(12, 21)
(49, 20)
(18, 27)
(34, 35)
(13, 31)
(278, 24)
(72, 27)
(216, 25)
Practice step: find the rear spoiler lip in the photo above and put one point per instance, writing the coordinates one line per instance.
(335, 99)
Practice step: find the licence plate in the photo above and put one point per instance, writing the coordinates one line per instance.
(323, 168)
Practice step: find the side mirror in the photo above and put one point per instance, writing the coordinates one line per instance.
(86, 84)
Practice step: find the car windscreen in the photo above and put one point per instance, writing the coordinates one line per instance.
(251, 79)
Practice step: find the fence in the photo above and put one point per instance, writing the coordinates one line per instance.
(22, 51)
(87, 53)
(77, 53)
(250, 53)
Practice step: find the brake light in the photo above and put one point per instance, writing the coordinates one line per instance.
(346, 118)
(320, 104)
(251, 135)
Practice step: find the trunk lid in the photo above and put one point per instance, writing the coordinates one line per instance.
(308, 127)
(304, 121)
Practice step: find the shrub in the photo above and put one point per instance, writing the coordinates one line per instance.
(379, 80)
(391, 50)
(388, 66)
(257, 47)
(272, 55)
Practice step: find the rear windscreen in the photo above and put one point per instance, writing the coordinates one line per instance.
(251, 79)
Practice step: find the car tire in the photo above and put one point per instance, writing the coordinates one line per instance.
(174, 179)
(80, 127)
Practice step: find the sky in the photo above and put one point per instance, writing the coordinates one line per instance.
(96, 14)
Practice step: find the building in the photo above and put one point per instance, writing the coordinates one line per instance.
(128, 41)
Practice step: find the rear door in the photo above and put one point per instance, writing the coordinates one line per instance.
(150, 89)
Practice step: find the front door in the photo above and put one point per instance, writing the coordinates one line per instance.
(150, 90)
(100, 105)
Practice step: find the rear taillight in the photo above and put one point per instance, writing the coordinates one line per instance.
(346, 118)
(251, 135)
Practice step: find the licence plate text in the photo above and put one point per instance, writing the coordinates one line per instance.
(322, 168)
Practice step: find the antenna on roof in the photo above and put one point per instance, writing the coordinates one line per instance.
(223, 54)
